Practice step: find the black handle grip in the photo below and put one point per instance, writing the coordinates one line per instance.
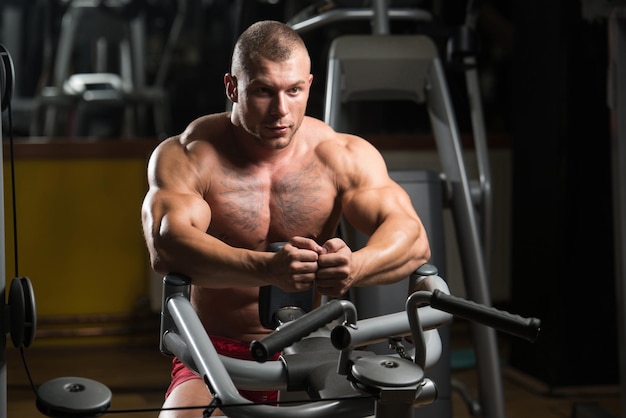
(294, 331)
(527, 328)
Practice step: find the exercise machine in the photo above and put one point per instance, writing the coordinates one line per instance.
(341, 378)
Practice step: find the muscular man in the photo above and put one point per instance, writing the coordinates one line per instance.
(232, 183)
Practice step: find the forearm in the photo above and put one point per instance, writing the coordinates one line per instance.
(208, 261)
(393, 251)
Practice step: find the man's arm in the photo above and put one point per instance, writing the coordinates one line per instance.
(175, 219)
(397, 243)
(378, 207)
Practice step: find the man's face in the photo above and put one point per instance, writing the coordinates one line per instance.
(271, 98)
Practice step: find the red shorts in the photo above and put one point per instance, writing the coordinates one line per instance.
(226, 347)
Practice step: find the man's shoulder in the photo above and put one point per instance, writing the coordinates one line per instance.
(329, 140)
(345, 154)
(205, 128)
(198, 139)
(324, 135)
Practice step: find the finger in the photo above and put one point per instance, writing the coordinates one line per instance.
(305, 257)
(328, 273)
(305, 267)
(296, 254)
(327, 260)
(333, 245)
(304, 278)
(333, 260)
(304, 281)
(307, 244)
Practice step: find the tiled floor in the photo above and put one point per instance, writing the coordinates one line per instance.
(138, 376)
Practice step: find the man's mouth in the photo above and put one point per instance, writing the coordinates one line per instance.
(278, 129)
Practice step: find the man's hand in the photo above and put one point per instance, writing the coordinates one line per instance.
(334, 274)
(293, 267)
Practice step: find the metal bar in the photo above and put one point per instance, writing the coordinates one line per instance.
(198, 342)
(332, 103)
(344, 15)
(444, 126)
(374, 330)
(380, 22)
(69, 25)
(482, 156)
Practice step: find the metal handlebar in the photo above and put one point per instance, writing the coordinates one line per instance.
(526, 328)
(294, 331)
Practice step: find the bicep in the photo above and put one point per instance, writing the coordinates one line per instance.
(167, 214)
(367, 208)
(174, 199)
(370, 197)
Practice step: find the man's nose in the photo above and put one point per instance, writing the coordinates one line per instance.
(280, 106)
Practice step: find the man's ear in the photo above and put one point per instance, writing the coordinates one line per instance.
(230, 83)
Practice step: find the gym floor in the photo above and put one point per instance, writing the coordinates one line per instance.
(138, 376)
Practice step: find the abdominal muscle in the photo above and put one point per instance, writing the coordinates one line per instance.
(231, 312)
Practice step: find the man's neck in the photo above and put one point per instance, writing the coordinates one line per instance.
(252, 150)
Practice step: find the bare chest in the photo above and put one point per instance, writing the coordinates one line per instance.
(254, 209)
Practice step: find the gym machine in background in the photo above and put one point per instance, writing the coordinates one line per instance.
(94, 68)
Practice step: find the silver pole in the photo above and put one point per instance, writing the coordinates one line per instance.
(482, 158)
(381, 17)
(444, 126)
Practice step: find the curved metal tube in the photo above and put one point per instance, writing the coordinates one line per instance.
(419, 342)
(378, 329)
(343, 15)
(245, 374)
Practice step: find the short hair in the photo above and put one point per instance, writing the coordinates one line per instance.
(267, 39)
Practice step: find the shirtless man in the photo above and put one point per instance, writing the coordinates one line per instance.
(232, 183)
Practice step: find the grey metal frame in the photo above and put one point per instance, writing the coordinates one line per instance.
(470, 245)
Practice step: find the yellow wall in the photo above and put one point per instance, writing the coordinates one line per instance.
(79, 233)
